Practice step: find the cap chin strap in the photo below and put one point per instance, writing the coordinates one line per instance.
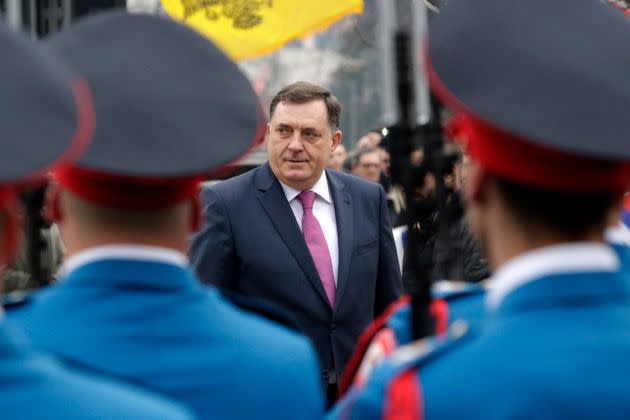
(521, 160)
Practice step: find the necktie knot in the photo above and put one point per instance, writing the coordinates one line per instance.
(307, 198)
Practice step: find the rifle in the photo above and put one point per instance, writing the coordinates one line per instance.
(35, 244)
(414, 117)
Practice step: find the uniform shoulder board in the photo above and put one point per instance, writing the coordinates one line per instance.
(261, 308)
(394, 382)
(403, 395)
(419, 351)
(365, 341)
(16, 299)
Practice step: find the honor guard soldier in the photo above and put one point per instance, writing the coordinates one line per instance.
(46, 119)
(463, 302)
(541, 88)
(171, 108)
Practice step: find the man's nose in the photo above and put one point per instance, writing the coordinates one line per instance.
(295, 144)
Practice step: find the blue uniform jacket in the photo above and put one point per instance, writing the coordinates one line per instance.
(466, 304)
(154, 324)
(556, 347)
(33, 386)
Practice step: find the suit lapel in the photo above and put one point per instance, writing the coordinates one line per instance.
(275, 204)
(345, 231)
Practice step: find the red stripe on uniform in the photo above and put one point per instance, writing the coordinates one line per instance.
(403, 399)
(439, 312)
(347, 378)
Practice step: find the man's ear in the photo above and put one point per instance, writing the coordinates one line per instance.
(195, 213)
(336, 138)
(52, 207)
(475, 190)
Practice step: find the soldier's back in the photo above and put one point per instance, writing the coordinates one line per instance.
(160, 328)
(555, 348)
(33, 386)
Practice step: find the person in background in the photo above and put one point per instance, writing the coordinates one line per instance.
(416, 157)
(367, 164)
(386, 160)
(127, 303)
(371, 140)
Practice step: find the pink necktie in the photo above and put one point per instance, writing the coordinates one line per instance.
(316, 243)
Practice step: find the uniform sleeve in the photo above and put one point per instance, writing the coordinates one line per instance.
(212, 249)
(388, 282)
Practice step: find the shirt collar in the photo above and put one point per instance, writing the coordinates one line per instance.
(124, 252)
(320, 188)
(555, 259)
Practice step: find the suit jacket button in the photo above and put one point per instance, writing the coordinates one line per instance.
(333, 328)
(325, 374)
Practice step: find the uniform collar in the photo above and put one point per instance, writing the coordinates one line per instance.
(320, 188)
(619, 234)
(565, 259)
(124, 252)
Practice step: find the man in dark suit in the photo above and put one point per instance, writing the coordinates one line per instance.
(315, 242)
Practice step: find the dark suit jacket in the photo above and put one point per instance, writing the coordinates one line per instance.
(251, 243)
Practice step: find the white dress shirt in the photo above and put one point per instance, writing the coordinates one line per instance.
(324, 211)
(554, 259)
(124, 252)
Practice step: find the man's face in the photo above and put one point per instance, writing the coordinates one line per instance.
(369, 166)
(339, 156)
(300, 143)
(385, 161)
(370, 141)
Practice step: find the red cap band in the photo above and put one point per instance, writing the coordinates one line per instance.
(7, 193)
(126, 192)
(514, 158)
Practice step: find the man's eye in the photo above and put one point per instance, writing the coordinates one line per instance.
(283, 130)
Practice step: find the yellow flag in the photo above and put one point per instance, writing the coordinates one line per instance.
(247, 28)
